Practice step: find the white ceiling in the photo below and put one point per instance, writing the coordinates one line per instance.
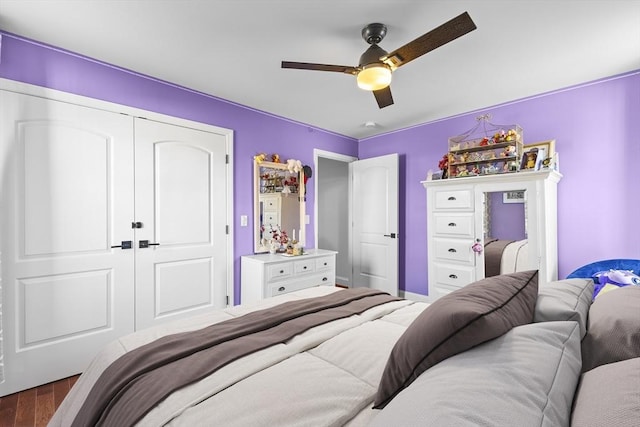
(232, 49)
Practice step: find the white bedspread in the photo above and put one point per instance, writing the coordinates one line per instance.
(327, 376)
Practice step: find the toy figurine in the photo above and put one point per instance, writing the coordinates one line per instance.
(260, 157)
(531, 160)
(462, 171)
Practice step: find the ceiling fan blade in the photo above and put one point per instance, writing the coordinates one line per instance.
(449, 31)
(383, 97)
(320, 67)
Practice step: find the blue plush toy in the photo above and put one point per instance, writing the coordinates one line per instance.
(613, 279)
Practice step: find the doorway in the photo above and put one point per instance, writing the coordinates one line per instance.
(332, 209)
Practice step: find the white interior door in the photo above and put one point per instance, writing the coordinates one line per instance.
(180, 203)
(65, 174)
(374, 248)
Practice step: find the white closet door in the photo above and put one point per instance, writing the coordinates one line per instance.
(65, 174)
(180, 201)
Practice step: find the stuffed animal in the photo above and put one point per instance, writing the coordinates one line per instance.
(275, 158)
(294, 165)
(259, 158)
(606, 281)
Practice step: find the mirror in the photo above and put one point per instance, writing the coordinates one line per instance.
(278, 204)
(506, 246)
(505, 215)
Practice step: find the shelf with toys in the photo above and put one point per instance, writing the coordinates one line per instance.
(485, 150)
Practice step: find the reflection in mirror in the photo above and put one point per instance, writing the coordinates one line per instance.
(505, 232)
(279, 207)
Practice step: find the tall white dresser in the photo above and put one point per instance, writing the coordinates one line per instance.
(268, 275)
(456, 220)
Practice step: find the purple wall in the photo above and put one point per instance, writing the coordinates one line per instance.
(254, 131)
(598, 198)
(597, 131)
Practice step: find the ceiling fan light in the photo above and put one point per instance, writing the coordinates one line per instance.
(374, 77)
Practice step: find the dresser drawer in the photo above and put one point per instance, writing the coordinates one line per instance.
(455, 276)
(455, 250)
(271, 218)
(304, 266)
(299, 283)
(460, 224)
(270, 204)
(441, 290)
(279, 271)
(325, 263)
(453, 199)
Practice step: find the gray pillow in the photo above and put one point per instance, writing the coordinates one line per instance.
(609, 395)
(457, 322)
(567, 299)
(613, 329)
(525, 378)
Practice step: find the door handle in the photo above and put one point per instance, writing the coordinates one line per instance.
(145, 244)
(392, 235)
(125, 244)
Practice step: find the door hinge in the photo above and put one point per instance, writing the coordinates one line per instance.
(227, 299)
(226, 229)
(226, 158)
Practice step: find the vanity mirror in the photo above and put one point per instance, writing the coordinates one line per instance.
(278, 204)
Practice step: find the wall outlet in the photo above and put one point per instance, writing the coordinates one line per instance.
(243, 220)
(306, 219)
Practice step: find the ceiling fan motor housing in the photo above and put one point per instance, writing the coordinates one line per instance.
(374, 33)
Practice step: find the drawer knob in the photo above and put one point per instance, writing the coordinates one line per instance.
(452, 224)
(325, 263)
(453, 276)
(281, 289)
(324, 279)
(304, 268)
(451, 198)
(452, 250)
(281, 271)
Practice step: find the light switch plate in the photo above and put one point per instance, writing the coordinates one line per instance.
(243, 220)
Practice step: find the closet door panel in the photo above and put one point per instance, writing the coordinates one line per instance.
(66, 199)
(180, 189)
(65, 214)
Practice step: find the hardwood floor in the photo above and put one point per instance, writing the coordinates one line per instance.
(34, 407)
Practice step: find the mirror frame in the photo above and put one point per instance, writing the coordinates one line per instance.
(257, 248)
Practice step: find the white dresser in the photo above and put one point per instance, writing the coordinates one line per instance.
(456, 219)
(267, 275)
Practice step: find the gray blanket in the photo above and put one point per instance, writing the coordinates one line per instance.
(142, 378)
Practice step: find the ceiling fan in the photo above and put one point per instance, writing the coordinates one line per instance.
(376, 65)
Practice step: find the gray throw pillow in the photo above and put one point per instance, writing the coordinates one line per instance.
(525, 378)
(609, 395)
(613, 329)
(567, 299)
(457, 322)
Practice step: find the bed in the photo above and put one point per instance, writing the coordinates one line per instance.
(502, 256)
(499, 352)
